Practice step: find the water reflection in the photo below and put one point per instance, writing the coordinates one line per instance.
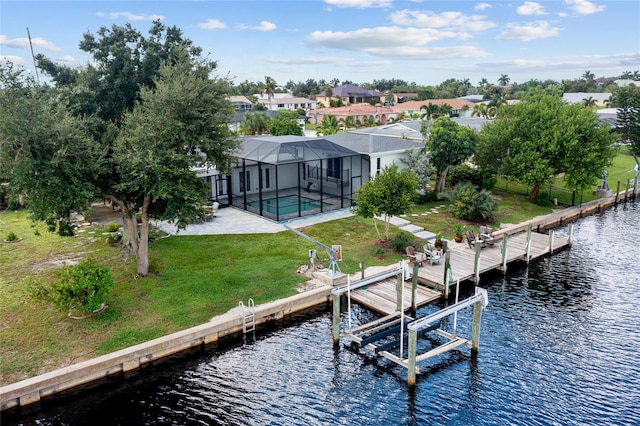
(558, 345)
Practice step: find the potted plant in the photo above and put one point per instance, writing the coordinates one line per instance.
(438, 241)
(458, 230)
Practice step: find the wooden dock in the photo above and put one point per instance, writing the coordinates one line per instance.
(462, 258)
(382, 296)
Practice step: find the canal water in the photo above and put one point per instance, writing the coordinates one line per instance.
(559, 345)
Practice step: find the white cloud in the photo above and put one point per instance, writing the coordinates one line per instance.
(531, 8)
(328, 60)
(359, 4)
(23, 43)
(16, 60)
(583, 7)
(212, 24)
(396, 42)
(427, 19)
(265, 26)
(528, 32)
(482, 6)
(67, 59)
(130, 16)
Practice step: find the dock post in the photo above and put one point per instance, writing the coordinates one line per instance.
(569, 234)
(528, 246)
(447, 273)
(476, 265)
(504, 253)
(414, 289)
(475, 326)
(336, 319)
(399, 301)
(552, 235)
(411, 357)
(615, 203)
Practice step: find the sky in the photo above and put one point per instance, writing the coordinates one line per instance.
(421, 41)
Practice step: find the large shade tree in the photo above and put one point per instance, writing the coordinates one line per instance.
(449, 144)
(542, 137)
(125, 69)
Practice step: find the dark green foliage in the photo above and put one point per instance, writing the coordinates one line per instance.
(83, 288)
(400, 241)
(467, 203)
(427, 197)
(11, 236)
(285, 123)
(627, 100)
(464, 173)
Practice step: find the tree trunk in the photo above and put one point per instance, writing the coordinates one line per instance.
(142, 255)
(534, 193)
(375, 225)
(387, 222)
(441, 180)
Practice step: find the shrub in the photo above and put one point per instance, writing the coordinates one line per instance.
(400, 241)
(112, 227)
(464, 173)
(470, 204)
(84, 287)
(427, 197)
(11, 236)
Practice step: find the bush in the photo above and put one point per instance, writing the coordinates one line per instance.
(11, 236)
(112, 227)
(464, 173)
(401, 241)
(427, 197)
(467, 203)
(84, 287)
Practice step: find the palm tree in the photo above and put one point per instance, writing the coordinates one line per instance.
(430, 111)
(254, 123)
(588, 75)
(483, 83)
(504, 80)
(268, 87)
(328, 126)
(589, 102)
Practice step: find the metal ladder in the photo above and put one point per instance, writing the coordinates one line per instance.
(248, 316)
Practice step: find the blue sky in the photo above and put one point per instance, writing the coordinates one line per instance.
(418, 41)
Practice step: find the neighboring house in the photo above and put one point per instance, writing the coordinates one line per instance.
(608, 115)
(399, 98)
(460, 107)
(241, 103)
(626, 82)
(279, 101)
(239, 118)
(580, 97)
(350, 94)
(283, 177)
(361, 113)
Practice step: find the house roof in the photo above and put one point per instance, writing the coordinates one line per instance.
(370, 143)
(415, 105)
(291, 149)
(579, 97)
(350, 89)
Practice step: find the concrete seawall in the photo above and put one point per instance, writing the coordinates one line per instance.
(32, 390)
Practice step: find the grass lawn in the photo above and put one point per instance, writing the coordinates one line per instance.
(193, 278)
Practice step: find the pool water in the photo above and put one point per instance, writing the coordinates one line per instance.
(286, 205)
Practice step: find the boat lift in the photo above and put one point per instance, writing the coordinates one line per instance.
(386, 333)
(334, 269)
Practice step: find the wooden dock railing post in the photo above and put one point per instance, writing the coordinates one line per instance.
(336, 319)
(399, 300)
(476, 265)
(505, 237)
(569, 234)
(414, 289)
(528, 245)
(551, 240)
(411, 357)
(447, 273)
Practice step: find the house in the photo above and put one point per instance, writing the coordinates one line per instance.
(580, 97)
(361, 113)
(350, 94)
(279, 101)
(241, 103)
(283, 177)
(459, 107)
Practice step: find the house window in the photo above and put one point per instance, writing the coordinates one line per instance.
(245, 181)
(333, 167)
(378, 165)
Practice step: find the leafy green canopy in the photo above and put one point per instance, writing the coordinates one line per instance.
(390, 193)
(541, 137)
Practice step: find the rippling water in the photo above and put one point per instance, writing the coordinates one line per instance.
(560, 345)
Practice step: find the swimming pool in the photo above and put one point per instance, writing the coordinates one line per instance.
(286, 205)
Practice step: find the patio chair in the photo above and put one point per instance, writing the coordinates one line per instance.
(472, 240)
(433, 255)
(486, 234)
(415, 256)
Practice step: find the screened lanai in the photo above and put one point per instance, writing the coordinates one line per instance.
(283, 177)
